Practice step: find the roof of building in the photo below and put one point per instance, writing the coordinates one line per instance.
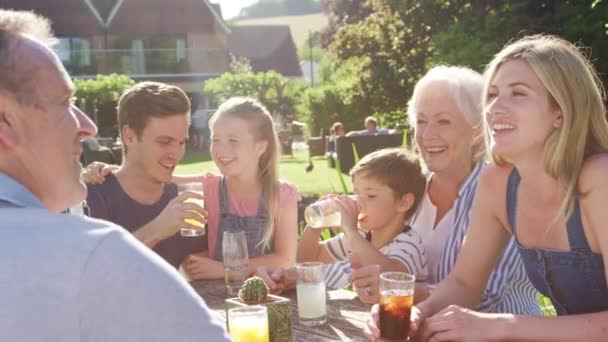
(300, 25)
(266, 47)
(91, 17)
(68, 18)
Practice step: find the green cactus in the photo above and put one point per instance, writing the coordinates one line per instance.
(253, 290)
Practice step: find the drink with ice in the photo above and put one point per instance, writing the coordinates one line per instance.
(200, 225)
(396, 301)
(198, 188)
(395, 309)
(312, 308)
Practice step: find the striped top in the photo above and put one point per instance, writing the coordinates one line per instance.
(509, 290)
(406, 247)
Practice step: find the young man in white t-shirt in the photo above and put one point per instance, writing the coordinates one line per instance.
(389, 185)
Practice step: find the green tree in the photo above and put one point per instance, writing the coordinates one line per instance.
(389, 50)
(278, 93)
(341, 13)
(98, 98)
(481, 31)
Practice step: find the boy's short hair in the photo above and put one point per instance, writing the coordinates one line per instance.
(397, 168)
(372, 120)
(147, 100)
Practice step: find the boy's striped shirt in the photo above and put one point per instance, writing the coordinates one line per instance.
(406, 247)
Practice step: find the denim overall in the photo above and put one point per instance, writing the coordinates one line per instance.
(252, 225)
(574, 280)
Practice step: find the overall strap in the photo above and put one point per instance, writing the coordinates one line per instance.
(576, 234)
(224, 199)
(512, 186)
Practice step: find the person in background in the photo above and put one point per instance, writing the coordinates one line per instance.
(200, 123)
(371, 128)
(336, 130)
(65, 277)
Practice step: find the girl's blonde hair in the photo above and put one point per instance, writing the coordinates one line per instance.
(261, 127)
(577, 91)
(465, 86)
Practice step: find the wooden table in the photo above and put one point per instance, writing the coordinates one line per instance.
(346, 314)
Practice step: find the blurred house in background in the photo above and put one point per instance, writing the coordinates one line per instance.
(182, 42)
(267, 47)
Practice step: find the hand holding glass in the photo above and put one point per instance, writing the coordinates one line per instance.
(325, 213)
(236, 260)
(198, 188)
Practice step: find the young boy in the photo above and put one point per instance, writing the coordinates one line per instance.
(389, 185)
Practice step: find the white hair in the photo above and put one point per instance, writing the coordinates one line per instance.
(465, 87)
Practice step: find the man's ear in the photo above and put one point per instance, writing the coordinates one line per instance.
(406, 202)
(8, 136)
(128, 135)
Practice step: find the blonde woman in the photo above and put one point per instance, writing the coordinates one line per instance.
(548, 186)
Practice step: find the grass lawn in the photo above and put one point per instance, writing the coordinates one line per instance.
(321, 180)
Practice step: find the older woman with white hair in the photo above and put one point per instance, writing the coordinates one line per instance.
(445, 111)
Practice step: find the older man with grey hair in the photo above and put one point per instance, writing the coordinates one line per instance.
(67, 278)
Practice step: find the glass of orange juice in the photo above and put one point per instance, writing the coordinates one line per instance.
(248, 324)
(198, 188)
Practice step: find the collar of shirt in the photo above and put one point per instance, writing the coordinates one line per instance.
(471, 178)
(15, 193)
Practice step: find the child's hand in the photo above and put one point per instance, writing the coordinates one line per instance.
(349, 210)
(197, 266)
(278, 280)
(96, 172)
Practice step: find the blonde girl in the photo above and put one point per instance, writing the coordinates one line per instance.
(248, 194)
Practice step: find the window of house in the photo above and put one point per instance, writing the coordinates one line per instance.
(74, 51)
(151, 55)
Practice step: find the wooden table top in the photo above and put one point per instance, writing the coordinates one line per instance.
(346, 315)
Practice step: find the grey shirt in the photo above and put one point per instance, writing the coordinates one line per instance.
(67, 278)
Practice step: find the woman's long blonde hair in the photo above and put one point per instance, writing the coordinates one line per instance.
(261, 127)
(576, 89)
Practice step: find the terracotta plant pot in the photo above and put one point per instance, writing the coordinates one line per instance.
(279, 315)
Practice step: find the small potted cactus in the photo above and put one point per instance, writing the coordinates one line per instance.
(255, 292)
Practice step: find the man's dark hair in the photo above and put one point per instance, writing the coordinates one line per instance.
(147, 100)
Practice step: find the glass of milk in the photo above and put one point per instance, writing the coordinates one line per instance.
(312, 309)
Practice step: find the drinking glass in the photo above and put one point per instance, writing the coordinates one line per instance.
(310, 289)
(396, 300)
(198, 188)
(236, 260)
(324, 213)
(248, 324)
